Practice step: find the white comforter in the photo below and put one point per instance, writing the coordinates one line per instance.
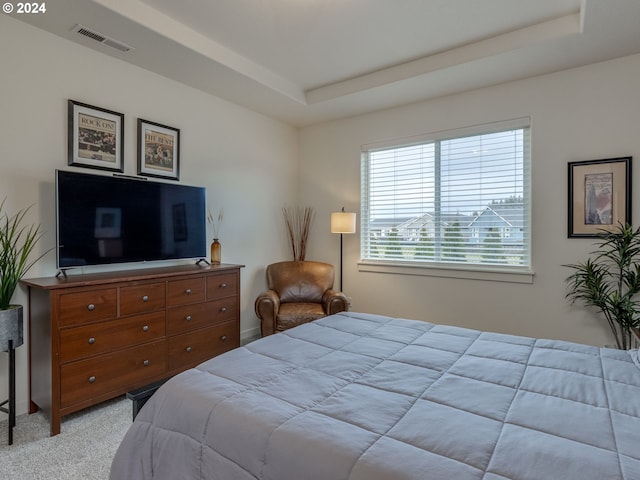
(363, 397)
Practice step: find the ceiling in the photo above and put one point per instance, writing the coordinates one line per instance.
(309, 61)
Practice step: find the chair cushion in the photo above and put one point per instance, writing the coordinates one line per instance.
(293, 314)
(300, 281)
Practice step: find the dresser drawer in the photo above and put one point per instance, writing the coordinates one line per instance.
(199, 315)
(94, 339)
(225, 310)
(115, 371)
(85, 307)
(190, 349)
(183, 292)
(219, 286)
(142, 298)
(190, 317)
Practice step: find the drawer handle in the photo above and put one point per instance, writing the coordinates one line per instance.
(188, 349)
(188, 318)
(92, 341)
(145, 328)
(92, 379)
(188, 291)
(223, 309)
(91, 307)
(145, 298)
(146, 363)
(223, 285)
(223, 338)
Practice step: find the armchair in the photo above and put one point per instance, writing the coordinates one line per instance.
(299, 292)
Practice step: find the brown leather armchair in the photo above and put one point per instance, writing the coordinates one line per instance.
(299, 292)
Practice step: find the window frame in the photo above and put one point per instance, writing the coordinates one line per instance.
(514, 274)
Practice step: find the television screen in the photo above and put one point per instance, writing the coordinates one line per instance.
(109, 219)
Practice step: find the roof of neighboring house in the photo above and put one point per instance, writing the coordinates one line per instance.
(509, 213)
(389, 222)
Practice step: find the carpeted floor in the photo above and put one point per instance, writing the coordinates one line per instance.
(83, 451)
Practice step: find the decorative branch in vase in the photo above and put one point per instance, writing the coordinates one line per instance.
(298, 222)
(216, 246)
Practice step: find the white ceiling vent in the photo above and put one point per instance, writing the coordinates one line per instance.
(98, 37)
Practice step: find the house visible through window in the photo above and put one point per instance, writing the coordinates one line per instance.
(453, 199)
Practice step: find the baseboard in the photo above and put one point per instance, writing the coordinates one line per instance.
(249, 335)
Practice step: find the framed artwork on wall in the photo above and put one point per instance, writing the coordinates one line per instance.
(158, 150)
(96, 137)
(599, 196)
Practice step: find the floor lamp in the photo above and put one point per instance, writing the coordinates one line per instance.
(343, 222)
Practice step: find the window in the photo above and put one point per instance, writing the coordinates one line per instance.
(452, 200)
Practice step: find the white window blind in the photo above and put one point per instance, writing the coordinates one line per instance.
(452, 199)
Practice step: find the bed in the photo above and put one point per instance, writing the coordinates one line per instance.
(366, 397)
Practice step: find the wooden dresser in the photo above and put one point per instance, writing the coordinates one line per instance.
(93, 337)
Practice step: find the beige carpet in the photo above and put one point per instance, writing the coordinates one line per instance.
(83, 451)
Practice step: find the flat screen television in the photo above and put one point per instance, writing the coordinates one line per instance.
(110, 219)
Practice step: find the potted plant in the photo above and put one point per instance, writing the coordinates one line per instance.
(17, 242)
(610, 282)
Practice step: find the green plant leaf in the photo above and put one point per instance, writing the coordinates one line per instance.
(610, 281)
(17, 242)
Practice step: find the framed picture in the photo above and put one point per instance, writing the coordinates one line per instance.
(158, 150)
(599, 196)
(96, 137)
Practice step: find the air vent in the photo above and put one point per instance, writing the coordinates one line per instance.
(98, 37)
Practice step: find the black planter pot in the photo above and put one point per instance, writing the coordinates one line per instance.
(11, 327)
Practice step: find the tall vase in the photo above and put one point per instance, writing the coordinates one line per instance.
(216, 252)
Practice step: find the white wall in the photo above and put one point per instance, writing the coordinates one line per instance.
(247, 162)
(581, 114)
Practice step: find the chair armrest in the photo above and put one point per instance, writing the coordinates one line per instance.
(334, 301)
(267, 305)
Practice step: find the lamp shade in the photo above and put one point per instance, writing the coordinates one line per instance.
(343, 222)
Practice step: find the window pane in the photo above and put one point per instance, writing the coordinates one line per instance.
(453, 200)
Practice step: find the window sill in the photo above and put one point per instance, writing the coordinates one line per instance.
(467, 272)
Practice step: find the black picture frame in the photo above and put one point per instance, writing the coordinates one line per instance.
(95, 137)
(599, 196)
(158, 150)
